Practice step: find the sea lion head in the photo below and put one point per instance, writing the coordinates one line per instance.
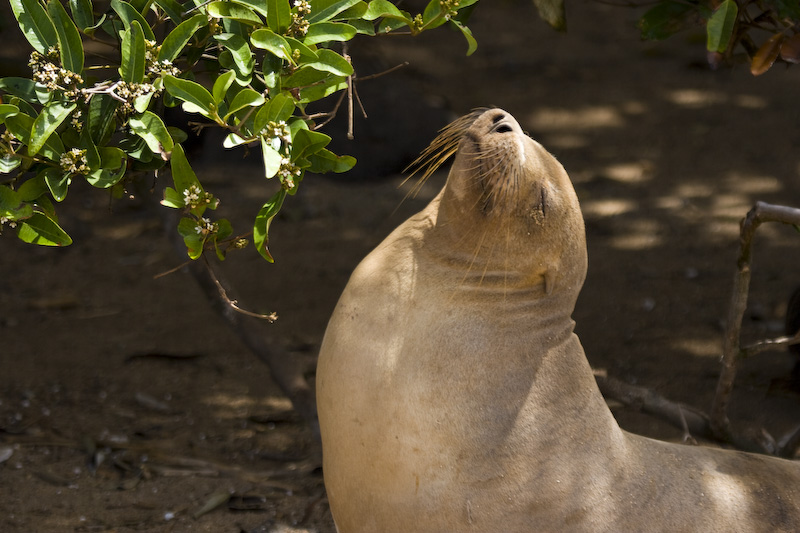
(508, 203)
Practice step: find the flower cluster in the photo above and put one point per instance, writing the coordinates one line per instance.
(128, 92)
(449, 7)
(194, 197)
(287, 173)
(299, 25)
(156, 68)
(206, 227)
(47, 72)
(5, 220)
(278, 130)
(74, 161)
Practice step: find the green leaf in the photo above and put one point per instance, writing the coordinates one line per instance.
(279, 15)
(552, 12)
(176, 40)
(150, 127)
(193, 93)
(20, 87)
(46, 123)
(719, 28)
(57, 181)
(101, 119)
(69, 40)
(329, 12)
(114, 163)
(173, 10)
(82, 13)
(307, 142)
(12, 204)
(9, 162)
(271, 42)
(472, 44)
(330, 61)
(332, 85)
(35, 24)
(247, 97)
(224, 231)
(32, 189)
(172, 198)
(235, 11)
(263, 221)
(127, 13)
(92, 155)
(385, 9)
(7, 110)
(221, 86)
(305, 76)
(326, 161)
(664, 19)
(272, 159)
(42, 230)
(242, 55)
(280, 107)
(259, 6)
(306, 53)
(322, 32)
(132, 67)
(193, 240)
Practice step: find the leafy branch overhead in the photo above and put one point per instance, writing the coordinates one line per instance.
(248, 66)
(767, 30)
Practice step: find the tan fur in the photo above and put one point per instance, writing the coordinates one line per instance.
(453, 394)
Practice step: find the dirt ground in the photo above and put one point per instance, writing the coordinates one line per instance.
(127, 405)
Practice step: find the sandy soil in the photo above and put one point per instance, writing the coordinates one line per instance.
(127, 405)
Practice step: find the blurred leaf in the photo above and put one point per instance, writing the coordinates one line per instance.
(552, 12)
(766, 55)
(326, 161)
(472, 44)
(127, 13)
(719, 28)
(272, 42)
(35, 24)
(193, 240)
(8, 163)
(21, 87)
(69, 40)
(221, 86)
(247, 97)
(242, 55)
(787, 9)
(322, 32)
(46, 123)
(263, 221)
(151, 128)
(279, 15)
(224, 230)
(329, 12)
(665, 19)
(41, 230)
(12, 204)
(232, 10)
(272, 159)
(132, 66)
(193, 93)
(32, 189)
(176, 40)
(173, 10)
(790, 49)
(7, 110)
(57, 181)
(82, 13)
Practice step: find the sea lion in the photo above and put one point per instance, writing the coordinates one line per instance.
(453, 394)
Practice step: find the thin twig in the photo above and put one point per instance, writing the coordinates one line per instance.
(172, 270)
(760, 213)
(233, 304)
(768, 344)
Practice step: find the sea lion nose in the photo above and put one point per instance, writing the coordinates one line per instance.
(502, 122)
